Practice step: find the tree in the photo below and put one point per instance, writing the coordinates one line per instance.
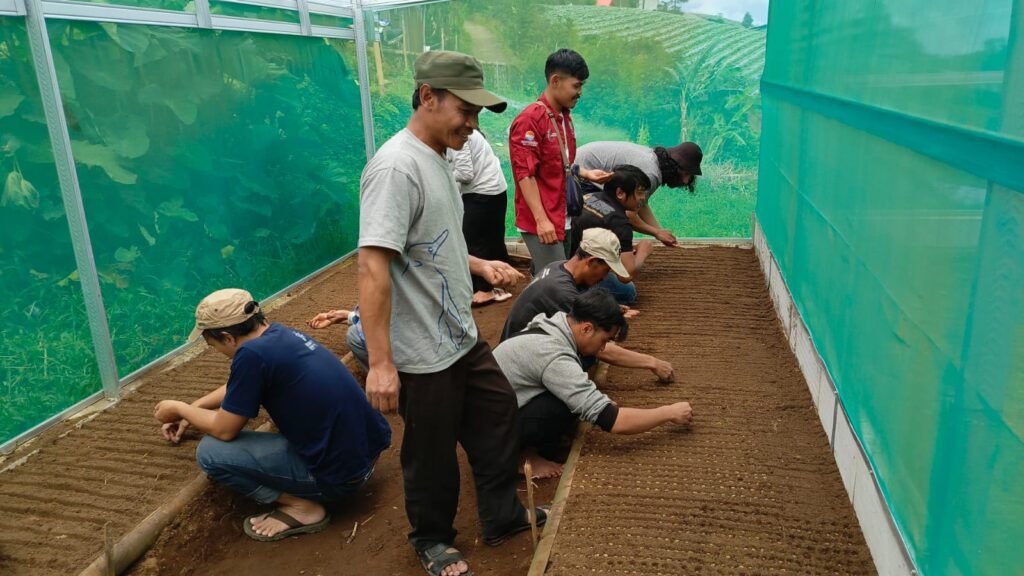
(671, 5)
(748, 20)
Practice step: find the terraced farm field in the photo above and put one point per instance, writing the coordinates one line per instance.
(685, 36)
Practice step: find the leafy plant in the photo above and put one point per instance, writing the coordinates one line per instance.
(206, 159)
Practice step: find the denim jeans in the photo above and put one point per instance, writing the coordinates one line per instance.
(357, 345)
(624, 292)
(263, 465)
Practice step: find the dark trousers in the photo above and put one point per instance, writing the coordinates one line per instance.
(470, 403)
(483, 225)
(543, 424)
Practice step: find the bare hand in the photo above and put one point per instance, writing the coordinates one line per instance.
(598, 176)
(500, 273)
(166, 411)
(667, 238)
(382, 385)
(681, 412)
(325, 319)
(173, 431)
(628, 312)
(643, 248)
(664, 371)
(546, 232)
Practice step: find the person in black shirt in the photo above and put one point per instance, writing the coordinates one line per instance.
(560, 283)
(626, 190)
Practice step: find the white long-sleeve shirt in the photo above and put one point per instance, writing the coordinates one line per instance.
(476, 168)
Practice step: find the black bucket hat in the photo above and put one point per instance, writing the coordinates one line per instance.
(688, 156)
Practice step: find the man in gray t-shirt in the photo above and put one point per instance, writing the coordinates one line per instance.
(414, 299)
(675, 167)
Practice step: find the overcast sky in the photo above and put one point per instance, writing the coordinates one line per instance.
(731, 9)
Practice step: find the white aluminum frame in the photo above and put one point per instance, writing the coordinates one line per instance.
(12, 8)
(201, 18)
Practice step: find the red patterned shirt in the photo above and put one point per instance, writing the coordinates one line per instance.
(534, 151)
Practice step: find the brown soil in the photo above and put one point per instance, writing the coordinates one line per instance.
(207, 537)
(751, 486)
(116, 469)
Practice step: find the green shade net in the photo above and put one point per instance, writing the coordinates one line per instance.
(656, 78)
(889, 195)
(206, 160)
(173, 5)
(256, 12)
(46, 353)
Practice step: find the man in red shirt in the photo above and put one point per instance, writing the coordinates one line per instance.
(542, 146)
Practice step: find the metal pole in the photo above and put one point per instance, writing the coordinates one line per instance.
(364, 77)
(203, 17)
(304, 20)
(56, 122)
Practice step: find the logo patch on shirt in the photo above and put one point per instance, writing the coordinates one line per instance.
(530, 139)
(309, 343)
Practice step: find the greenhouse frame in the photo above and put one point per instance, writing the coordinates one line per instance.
(867, 157)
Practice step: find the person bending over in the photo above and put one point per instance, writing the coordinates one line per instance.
(330, 436)
(626, 191)
(675, 167)
(543, 365)
(555, 289)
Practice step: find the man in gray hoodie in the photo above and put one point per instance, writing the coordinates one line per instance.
(543, 365)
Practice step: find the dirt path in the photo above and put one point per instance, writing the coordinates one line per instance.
(486, 46)
(752, 487)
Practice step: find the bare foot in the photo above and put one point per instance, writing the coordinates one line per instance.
(455, 569)
(304, 511)
(482, 298)
(542, 467)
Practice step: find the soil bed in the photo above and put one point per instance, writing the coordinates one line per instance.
(116, 469)
(207, 537)
(751, 487)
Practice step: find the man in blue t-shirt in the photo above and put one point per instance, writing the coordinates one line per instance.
(330, 436)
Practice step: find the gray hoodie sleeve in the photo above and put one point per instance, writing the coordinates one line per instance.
(565, 378)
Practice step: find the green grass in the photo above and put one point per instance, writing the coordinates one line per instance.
(720, 208)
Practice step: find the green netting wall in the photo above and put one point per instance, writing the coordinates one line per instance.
(891, 191)
(206, 159)
(656, 78)
(46, 353)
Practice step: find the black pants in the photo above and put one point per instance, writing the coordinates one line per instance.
(483, 225)
(544, 423)
(470, 403)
